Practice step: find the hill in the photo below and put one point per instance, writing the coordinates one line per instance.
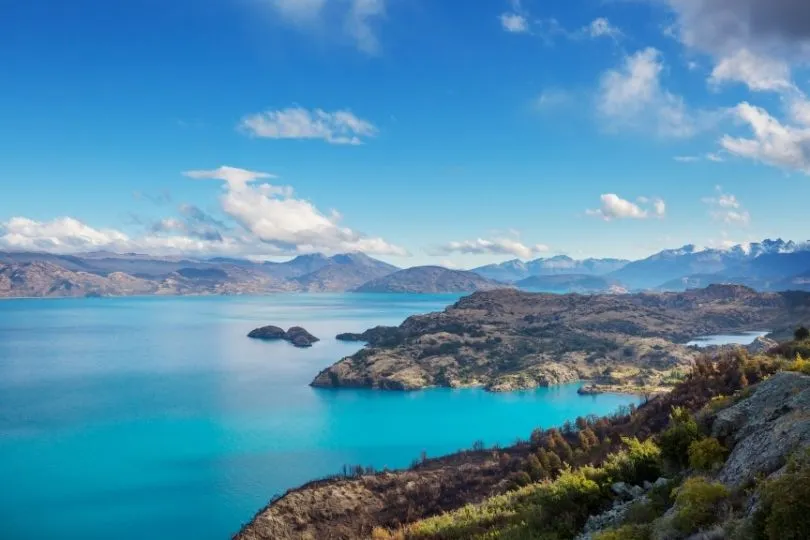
(508, 339)
(516, 270)
(344, 273)
(565, 283)
(430, 279)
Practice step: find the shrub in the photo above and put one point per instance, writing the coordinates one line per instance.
(697, 503)
(707, 455)
(785, 510)
(626, 532)
(640, 461)
(656, 503)
(675, 440)
(567, 502)
(801, 334)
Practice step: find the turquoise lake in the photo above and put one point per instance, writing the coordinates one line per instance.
(157, 418)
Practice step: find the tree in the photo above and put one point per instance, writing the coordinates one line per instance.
(801, 334)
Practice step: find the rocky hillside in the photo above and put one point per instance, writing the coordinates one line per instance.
(724, 454)
(507, 339)
(430, 279)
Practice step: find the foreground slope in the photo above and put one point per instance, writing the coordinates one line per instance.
(507, 339)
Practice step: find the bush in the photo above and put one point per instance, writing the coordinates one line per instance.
(697, 504)
(707, 455)
(785, 510)
(625, 532)
(801, 334)
(675, 440)
(567, 502)
(640, 461)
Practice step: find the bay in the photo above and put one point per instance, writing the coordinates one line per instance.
(156, 418)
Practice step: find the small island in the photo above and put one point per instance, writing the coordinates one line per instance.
(297, 336)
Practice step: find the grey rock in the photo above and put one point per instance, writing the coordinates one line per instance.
(761, 345)
(647, 485)
(765, 429)
(296, 335)
(661, 482)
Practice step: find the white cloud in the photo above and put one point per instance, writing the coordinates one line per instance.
(359, 17)
(274, 216)
(686, 159)
(774, 143)
(632, 96)
(359, 23)
(264, 220)
(514, 22)
(725, 207)
(614, 207)
(710, 156)
(602, 27)
(758, 72)
(498, 246)
(339, 127)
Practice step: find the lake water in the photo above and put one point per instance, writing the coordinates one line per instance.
(157, 418)
(742, 338)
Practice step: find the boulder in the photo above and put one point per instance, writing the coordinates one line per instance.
(761, 345)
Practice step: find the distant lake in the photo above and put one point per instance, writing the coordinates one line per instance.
(742, 338)
(151, 418)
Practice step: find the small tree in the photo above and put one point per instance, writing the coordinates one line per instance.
(682, 432)
(801, 334)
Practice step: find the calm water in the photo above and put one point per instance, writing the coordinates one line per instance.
(743, 338)
(157, 418)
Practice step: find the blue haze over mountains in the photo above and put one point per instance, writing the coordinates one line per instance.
(769, 265)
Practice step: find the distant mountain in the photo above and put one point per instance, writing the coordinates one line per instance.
(566, 283)
(344, 272)
(299, 266)
(516, 270)
(749, 263)
(43, 279)
(430, 279)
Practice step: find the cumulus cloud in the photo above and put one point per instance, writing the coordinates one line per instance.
(339, 127)
(498, 246)
(274, 216)
(262, 220)
(514, 22)
(758, 72)
(632, 96)
(773, 143)
(614, 207)
(725, 208)
(360, 17)
(601, 27)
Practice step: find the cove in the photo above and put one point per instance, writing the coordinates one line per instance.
(157, 418)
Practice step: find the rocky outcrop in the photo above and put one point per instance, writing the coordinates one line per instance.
(296, 335)
(761, 345)
(511, 340)
(765, 429)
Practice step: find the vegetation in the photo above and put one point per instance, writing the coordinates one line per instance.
(697, 504)
(679, 436)
(785, 510)
(707, 454)
(801, 334)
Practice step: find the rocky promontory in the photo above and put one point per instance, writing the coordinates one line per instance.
(296, 335)
(507, 339)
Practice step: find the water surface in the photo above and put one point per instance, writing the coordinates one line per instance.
(741, 338)
(157, 418)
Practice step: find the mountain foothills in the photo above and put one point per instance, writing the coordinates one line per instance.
(771, 265)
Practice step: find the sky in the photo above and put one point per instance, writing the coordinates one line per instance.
(416, 131)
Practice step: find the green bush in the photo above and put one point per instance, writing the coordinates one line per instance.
(785, 509)
(675, 440)
(640, 461)
(567, 502)
(697, 504)
(656, 503)
(626, 532)
(707, 455)
(801, 334)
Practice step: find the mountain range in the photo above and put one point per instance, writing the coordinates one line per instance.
(770, 265)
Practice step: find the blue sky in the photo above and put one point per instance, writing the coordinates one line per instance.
(413, 130)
